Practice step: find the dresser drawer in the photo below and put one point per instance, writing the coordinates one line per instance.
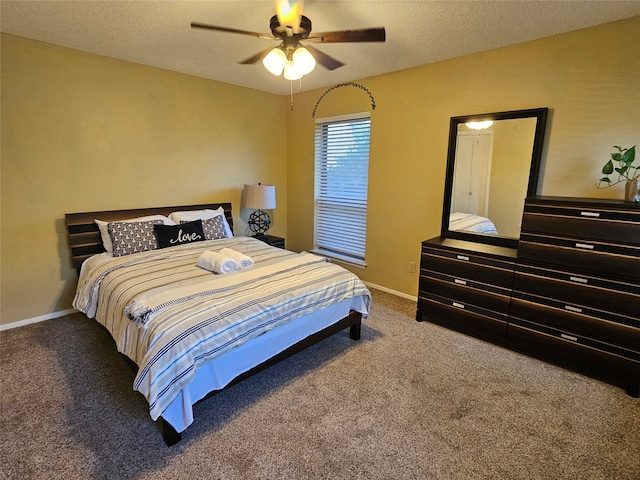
(468, 266)
(434, 307)
(575, 320)
(595, 224)
(606, 258)
(619, 364)
(466, 291)
(609, 295)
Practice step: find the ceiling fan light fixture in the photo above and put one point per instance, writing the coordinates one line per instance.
(303, 60)
(275, 61)
(291, 27)
(292, 71)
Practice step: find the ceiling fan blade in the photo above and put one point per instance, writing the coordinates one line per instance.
(323, 59)
(376, 34)
(255, 58)
(205, 26)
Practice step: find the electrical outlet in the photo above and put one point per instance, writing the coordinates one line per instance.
(412, 267)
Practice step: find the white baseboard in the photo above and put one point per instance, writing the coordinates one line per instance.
(41, 318)
(392, 292)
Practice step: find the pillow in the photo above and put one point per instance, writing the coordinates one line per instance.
(104, 230)
(171, 235)
(132, 237)
(213, 228)
(190, 215)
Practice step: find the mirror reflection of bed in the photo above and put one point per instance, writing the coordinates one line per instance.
(470, 222)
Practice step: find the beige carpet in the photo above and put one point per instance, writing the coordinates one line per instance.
(408, 401)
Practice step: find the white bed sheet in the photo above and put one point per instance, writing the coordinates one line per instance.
(217, 374)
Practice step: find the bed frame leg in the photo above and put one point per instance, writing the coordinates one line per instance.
(354, 331)
(169, 434)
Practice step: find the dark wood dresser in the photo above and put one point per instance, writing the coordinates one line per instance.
(569, 293)
(576, 290)
(466, 284)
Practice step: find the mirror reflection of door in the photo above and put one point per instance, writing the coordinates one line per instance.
(472, 177)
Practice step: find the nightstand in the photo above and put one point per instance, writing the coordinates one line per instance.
(272, 240)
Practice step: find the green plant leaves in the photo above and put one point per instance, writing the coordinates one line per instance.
(624, 158)
(629, 156)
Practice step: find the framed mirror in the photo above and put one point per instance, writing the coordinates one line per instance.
(493, 164)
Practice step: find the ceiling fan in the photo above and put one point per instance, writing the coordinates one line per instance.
(290, 28)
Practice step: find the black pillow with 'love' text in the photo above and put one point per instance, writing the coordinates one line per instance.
(172, 235)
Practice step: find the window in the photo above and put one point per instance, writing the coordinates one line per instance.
(341, 184)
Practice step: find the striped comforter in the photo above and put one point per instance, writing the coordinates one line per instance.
(169, 316)
(471, 223)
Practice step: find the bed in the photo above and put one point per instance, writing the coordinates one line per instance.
(190, 329)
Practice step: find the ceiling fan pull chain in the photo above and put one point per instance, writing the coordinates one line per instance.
(291, 84)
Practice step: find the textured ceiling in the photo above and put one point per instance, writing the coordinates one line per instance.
(158, 33)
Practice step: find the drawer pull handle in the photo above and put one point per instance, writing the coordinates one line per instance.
(569, 337)
(590, 214)
(462, 257)
(459, 305)
(584, 245)
(460, 282)
(578, 279)
(573, 309)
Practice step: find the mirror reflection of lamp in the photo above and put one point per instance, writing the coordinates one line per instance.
(259, 197)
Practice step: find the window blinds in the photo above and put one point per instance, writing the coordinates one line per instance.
(341, 184)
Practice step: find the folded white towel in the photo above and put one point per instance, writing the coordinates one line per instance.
(218, 263)
(244, 260)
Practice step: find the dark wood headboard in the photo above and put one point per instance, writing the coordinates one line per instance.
(84, 235)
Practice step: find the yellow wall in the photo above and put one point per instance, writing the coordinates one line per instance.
(82, 132)
(588, 78)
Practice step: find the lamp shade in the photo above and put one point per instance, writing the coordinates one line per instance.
(261, 197)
